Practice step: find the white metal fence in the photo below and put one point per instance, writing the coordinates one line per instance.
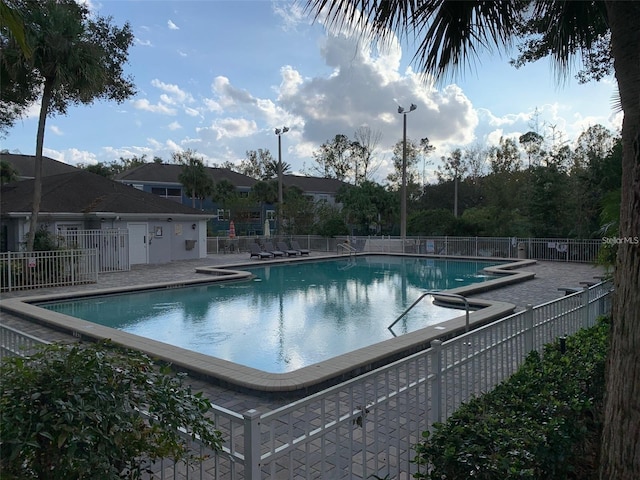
(26, 270)
(368, 425)
(547, 249)
(112, 246)
(16, 343)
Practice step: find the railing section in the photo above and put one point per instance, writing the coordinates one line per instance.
(26, 270)
(14, 343)
(366, 427)
(547, 249)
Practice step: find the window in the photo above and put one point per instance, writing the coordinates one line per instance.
(174, 194)
(271, 214)
(224, 214)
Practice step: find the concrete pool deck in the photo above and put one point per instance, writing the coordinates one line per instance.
(549, 277)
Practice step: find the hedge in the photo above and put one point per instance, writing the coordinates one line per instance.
(543, 422)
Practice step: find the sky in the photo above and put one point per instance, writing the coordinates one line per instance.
(218, 76)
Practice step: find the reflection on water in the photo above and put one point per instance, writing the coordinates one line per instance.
(288, 316)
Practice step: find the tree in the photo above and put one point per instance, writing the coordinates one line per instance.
(194, 176)
(76, 59)
(532, 144)
(17, 96)
(334, 158)
(365, 145)
(298, 212)
(11, 20)
(505, 158)
(126, 163)
(265, 191)
(8, 173)
(367, 206)
(99, 168)
(449, 33)
(88, 422)
(452, 169)
(413, 157)
(271, 169)
(255, 165)
(426, 150)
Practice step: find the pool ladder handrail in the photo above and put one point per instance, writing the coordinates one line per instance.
(435, 293)
(349, 248)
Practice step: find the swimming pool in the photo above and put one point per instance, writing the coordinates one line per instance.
(288, 316)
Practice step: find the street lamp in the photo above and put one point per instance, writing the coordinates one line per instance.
(403, 187)
(279, 133)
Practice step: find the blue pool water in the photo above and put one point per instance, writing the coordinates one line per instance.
(289, 315)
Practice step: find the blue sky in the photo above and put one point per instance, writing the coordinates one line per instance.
(217, 76)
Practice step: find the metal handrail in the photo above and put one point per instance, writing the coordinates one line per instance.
(349, 248)
(439, 294)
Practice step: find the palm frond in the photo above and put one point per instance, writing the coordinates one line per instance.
(453, 31)
(449, 31)
(571, 26)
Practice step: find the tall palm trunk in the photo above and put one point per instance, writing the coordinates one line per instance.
(620, 455)
(37, 166)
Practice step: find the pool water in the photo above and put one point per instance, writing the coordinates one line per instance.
(289, 315)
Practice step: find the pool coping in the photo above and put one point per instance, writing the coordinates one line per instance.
(303, 380)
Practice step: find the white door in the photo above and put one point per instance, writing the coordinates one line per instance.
(138, 243)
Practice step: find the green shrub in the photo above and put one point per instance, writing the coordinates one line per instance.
(543, 422)
(74, 412)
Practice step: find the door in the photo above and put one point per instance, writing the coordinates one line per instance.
(138, 243)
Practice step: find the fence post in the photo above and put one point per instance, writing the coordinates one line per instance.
(528, 329)
(436, 383)
(252, 452)
(584, 300)
(9, 272)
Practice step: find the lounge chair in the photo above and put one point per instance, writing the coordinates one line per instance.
(268, 246)
(290, 253)
(296, 246)
(255, 251)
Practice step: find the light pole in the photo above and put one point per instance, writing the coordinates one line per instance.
(279, 134)
(403, 187)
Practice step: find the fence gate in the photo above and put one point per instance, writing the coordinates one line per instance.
(112, 246)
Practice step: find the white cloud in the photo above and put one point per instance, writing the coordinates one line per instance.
(229, 128)
(172, 26)
(291, 81)
(291, 14)
(212, 105)
(174, 93)
(128, 152)
(174, 126)
(229, 95)
(72, 156)
(55, 130)
(365, 89)
(144, 104)
(143, 43)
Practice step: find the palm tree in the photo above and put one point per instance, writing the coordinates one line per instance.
(194, 176)
(448, 33)
(71, 59)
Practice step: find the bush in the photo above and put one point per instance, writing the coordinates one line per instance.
(75, 412)
(543, 422)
